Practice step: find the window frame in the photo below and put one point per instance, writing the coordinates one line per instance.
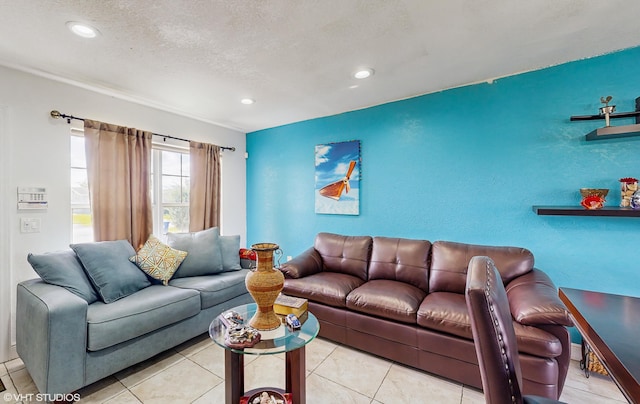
(156, 186)
(76, 132)
(155, 178)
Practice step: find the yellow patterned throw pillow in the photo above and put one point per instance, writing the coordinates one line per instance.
(158, 260)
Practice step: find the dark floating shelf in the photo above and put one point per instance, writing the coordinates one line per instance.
(580, 211)
(611, 116)
(613, 132)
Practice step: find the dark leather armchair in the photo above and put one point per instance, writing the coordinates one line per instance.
(494, 336)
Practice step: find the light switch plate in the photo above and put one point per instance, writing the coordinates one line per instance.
(30, 225)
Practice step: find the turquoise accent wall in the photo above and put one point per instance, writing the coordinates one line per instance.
(466, 165)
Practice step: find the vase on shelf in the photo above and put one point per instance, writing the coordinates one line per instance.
(635, 200)
(265, 284)
(628, 186)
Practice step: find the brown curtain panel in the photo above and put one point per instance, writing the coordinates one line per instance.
(204, 192)
(118, 168)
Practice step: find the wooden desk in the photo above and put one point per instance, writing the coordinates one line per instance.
(610, 324)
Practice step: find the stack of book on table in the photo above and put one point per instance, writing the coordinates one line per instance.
(290, 305)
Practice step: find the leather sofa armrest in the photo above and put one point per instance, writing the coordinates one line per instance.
(534, 300)
(51, 335)
(305, 264)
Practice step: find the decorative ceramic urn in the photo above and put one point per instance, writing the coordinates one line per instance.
(265, 284)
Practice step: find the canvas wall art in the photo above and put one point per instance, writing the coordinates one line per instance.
(337, 189)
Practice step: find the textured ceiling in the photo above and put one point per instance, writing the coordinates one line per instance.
(295, 57)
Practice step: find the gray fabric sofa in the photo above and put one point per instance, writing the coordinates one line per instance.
(67, 342)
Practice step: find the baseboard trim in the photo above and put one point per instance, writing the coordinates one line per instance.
(576, 352)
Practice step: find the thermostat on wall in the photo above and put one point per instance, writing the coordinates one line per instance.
(32, 198)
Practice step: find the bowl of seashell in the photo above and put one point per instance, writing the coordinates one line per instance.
(267, 397)
(601, 192)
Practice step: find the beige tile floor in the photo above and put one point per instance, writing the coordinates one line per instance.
(193, 373)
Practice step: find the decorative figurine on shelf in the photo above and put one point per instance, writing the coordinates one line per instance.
(635, 200)
(607, 109)
(592, 202)
(628, 186)
(593, 198)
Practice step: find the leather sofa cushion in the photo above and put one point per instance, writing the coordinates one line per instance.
(444, 311)
(534, 300)
(214, 289)
(137, 314)
(447, 312)
(309, 262)
(401, 259)
(536, 341)
(450, 260)
(330, 288)
(394, 300)
(345, 254)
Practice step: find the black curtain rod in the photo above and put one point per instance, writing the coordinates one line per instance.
(57, 115)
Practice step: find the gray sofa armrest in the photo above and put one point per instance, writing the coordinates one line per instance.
(305, 264)
(51, 335)
(534, 300)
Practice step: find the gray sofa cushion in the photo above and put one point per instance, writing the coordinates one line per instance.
(146, 310)
(109, 269)
(230, 249)
(214, 289)
(203, 252)
(62, 268)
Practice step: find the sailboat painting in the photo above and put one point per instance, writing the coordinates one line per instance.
(337, 189)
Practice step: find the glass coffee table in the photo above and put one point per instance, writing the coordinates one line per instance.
(282, 339)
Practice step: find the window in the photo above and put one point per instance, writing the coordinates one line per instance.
(170, 171)
(169, 181)
(80, 210)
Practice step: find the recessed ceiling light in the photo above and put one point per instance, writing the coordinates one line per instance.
(83, 30)
(363, 73)
(247, 101)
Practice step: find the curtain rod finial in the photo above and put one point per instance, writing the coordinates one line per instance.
(56, 114)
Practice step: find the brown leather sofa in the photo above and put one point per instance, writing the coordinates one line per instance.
(404, 300)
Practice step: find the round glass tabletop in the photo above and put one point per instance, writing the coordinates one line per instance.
(280, 340)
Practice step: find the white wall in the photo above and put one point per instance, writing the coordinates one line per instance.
(35, 152)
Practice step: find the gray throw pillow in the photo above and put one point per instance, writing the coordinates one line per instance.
(109, 269)
(203, 248)
(230, 249)
(62, 268)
